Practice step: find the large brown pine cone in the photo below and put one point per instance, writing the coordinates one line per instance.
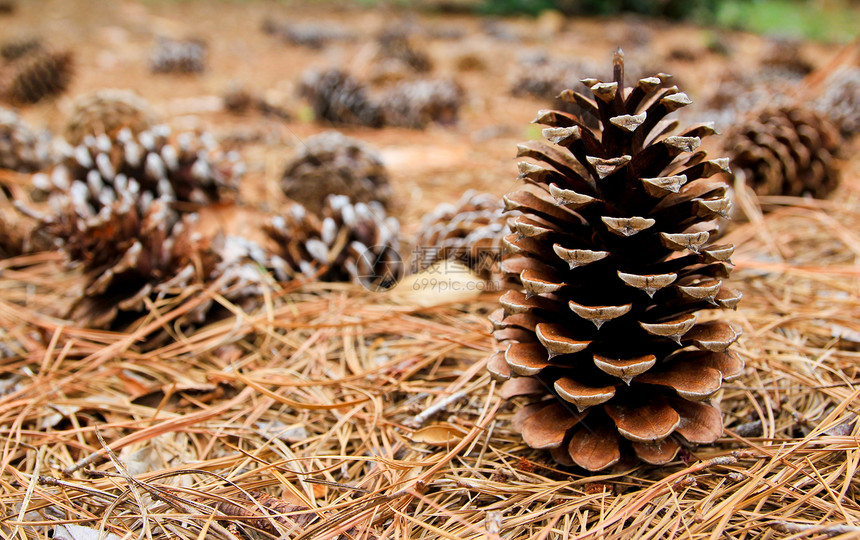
(187, 167)
(331, 163)
(37, 76)
(353, 242)
(339, 98)
(612, 250)
(106, 112)
(469, 231)
(788, 150)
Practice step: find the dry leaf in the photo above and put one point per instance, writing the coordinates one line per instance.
(442, 434)
(443, 282)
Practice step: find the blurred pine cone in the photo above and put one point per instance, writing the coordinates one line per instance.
(332, 163)
(337, 97)
(397, 44)
(840, 101)
(788, 150)
(357, 243)
(106, 112)
(178, 56)
(21, 149)
(188, 167)
(612, 250)
(469, 231)
(416, 104)
(18, 48)
(38, 76)
(133, 250)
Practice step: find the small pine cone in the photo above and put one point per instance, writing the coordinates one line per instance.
(397, 45)
(21, 149)
(787, 150)
(186, 168)
(787, 55)
(337, 97)
(469, 231)
(238, 100)
(332, 163)
(38, 76)
(841, 102)
(106, 112)
(416, 104)
(178, 56)
(612, 250)
(353, 242)
(305, 34)
(18, 48)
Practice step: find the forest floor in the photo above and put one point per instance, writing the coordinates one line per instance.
(313, 405)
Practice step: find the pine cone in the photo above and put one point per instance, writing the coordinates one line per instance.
(313, 36)
(136, 248)
(38, 76)
(21, 149)
(339, 98)
(396, 44)
(612, 251)
(841, 102)
(353, 242)
(418, 103)
(106, 112)
(332, 163)
(178, 56)
(469, 231)
(18, 48)
(186, 168)
(788, 150)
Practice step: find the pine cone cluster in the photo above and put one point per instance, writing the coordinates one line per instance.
(36, 76)
(416, 104)
(332, 163)
(469, 231)
(356, 242)
(840, 101)
(178, 56)
(21, 149)
(612, 251)
(339, 98)
(188, 167)
(788, 150)
(106, 112)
